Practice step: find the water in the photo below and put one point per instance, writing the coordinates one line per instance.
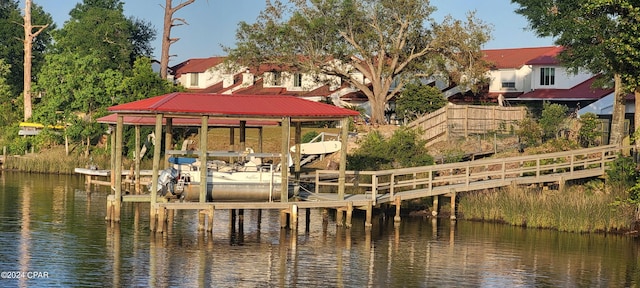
(53, 233)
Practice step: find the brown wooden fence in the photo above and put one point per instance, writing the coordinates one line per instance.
(463, 120)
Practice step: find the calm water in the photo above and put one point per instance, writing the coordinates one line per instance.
(53, 233)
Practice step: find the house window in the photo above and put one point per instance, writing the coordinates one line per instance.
(508, 79)
(194, 79)
(297, 80)
(547, 76)
(276, 78)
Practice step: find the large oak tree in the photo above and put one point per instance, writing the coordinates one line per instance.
(388, 41)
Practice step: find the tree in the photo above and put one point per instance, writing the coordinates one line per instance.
(597, 35)
(387, 41)
(29, 36)
(417, 99)
(99, 28)
(551, 119)
(12, 42)
(169, 23)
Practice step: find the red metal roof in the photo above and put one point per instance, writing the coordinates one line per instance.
(517, 57)
(196, 65)
(233, 106)
(151, 120)
(582, 91)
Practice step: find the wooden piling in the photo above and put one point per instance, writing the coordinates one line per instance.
(434, 211)
(349, 214)
(161, 219)
(210, 222)
(340, 217)
(453, 205)
(293, 216)
(369, 212)
(398, 203)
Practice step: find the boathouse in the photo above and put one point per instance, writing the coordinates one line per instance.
(215, 110)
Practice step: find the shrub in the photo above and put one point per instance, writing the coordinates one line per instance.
(588, 132)
(403, 149)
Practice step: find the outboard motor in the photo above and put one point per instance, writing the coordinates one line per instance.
(167, 180)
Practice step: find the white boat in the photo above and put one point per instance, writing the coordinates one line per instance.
(250, 181)
(317, 148)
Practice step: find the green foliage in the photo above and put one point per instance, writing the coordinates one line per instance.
(354, 34)
(588, 133)
(552, 117)
(405, 148)
(99, 28)
(417, 99)
(307, 137)
(529, 132)
(622, 172)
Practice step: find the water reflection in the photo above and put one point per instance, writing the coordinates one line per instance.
(50, 224)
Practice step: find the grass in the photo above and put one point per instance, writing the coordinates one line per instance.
(571, 210)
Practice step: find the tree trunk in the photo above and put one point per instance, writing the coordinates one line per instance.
(166, 40)
(29, 35)
(377, 110)
(617, 118)
(28, 44)
(169, 10)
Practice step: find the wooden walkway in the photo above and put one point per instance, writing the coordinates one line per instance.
(410, 183)
(368, 189)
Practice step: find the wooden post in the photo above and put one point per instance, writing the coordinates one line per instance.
(284, 167)
(453, 205)
(112, 172)
(344, 133)
(340, 216)
(367, 223)
(293, 216)
(398, 203)
(156, 168)
(137, 160)
(297, 158)
(232, 142)
(201, 218)
(204, 131)
(168, 140)
(434, 211)
(162, 219)
(260, 139)
(118, 169)
(283, 219)
(210, 216)
(243, 135)
(349, 214)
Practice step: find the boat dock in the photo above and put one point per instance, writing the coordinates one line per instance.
(339, 189)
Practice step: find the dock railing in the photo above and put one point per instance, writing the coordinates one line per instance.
(383, 186)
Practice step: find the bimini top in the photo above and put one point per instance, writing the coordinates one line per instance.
(234, 106)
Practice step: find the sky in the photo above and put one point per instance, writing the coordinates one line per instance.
(213, 23)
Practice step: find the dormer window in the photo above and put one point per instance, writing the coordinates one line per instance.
(194, 79)
(297, 80)
(547, 76)
(276, 78)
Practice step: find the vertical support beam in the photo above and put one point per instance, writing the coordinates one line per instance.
(118, 169)
(434, 211)
(293, 217)
(113, 158)
(344, 133)
(204, 131)
(340, 216)
(349, 214)
(398, 203)
(284, 161)
(368, 216)
(260, 139)
(156, 167)
(297, 158)
(137, 160)
(232, 141)
(168, 140)
(283, 219)
(210, 216)
(243, 135)
(453, 205)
